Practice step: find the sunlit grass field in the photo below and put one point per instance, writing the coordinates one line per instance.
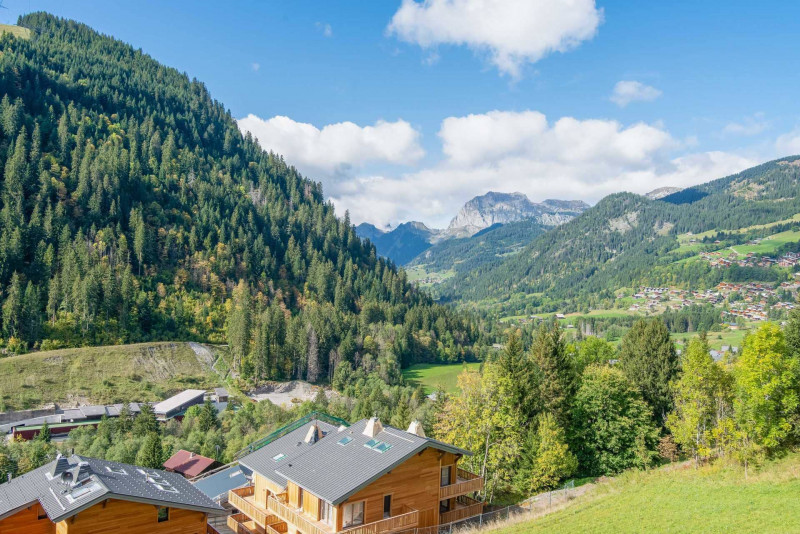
(684, 500)
(433, 376)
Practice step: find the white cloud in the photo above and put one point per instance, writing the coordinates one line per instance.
(513, 32)
(335, 148)
(255, 66)
(325, 28)
(627, 91)
(522, 151)
(788, 144)
(752, 125)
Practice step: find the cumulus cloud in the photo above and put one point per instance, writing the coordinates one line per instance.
(255, 67)
(335, 148)
(512, 32)
(523, 151)
(627, 91)
(788, 144)
(753, 125)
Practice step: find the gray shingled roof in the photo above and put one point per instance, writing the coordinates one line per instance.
(334, 471)
(101, 480)
(216, 486)
(292, 445)
(177, 401)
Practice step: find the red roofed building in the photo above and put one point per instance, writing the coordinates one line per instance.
(189, 464)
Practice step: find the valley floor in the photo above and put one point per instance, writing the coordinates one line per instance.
(682, 500)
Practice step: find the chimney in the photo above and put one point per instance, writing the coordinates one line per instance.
(191, 455)
(312, 436)
(416, 428)
(61, 465)
(373, 428)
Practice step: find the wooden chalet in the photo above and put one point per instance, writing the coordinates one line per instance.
(80, 495)
(364, 479)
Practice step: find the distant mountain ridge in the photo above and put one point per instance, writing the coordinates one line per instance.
(626, 240)
(493, 208)
(410, 239)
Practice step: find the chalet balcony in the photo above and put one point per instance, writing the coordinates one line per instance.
(409, 518)
(464, 484)
(466, 507)
(255, 519)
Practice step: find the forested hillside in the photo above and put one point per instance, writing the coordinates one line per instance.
(625, 239)
(133, 209)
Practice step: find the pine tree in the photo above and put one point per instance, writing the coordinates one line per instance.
(239, 323)
(151, 453)
(647, 357)
(556, 372)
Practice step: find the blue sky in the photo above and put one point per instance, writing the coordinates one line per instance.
(440, 113)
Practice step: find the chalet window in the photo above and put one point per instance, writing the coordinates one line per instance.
(163, 514)
(353, 514)
(444, 506)
(387, 506)
(326, 512)
(300, 498)
(446, 475)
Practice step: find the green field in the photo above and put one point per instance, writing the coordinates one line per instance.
(432, 376)
(418, 272)
(142, 372)
(17, 31)
(768, 245)
(683, 500)
(732, 338)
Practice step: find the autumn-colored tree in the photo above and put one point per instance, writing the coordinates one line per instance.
(702, 395)
(766, 392)
(482, 419)
(554, 461)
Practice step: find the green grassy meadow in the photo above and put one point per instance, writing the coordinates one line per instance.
(683, 500)
(432, 376)
(140, 372)
(17, 31)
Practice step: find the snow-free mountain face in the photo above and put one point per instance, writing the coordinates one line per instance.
(661, 192)
(410, 239)
(502, 208)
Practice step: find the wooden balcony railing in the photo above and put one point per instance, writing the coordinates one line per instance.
(466, 482)
(211, 530)
(236, 523)
(408, 519)
(238, 499)
(465, 507)
(296, 518)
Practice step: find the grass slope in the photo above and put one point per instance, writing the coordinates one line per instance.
(711, 499)
(140, 372)
(16, 31)
(432, 376)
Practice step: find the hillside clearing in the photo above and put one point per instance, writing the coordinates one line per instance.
(432, 376)
(676, 500)
(140, 372)
(16, 31)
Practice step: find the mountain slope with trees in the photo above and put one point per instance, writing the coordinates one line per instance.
(624, 240)
(133, 209)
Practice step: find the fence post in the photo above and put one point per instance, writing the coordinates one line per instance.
(480, 521)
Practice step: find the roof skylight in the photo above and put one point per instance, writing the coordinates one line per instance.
(278, 457)
(382, 447)
(371, 443)
(345, 440)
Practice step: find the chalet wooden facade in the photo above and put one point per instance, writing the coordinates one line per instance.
(87, 496)
(363, 479)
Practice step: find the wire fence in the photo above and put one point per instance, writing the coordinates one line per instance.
(529, 507)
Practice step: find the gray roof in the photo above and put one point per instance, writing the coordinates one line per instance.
(292, 445)
(176, 401)
(97, 480)
(334, 471)
(221, 392)
(216, 486)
